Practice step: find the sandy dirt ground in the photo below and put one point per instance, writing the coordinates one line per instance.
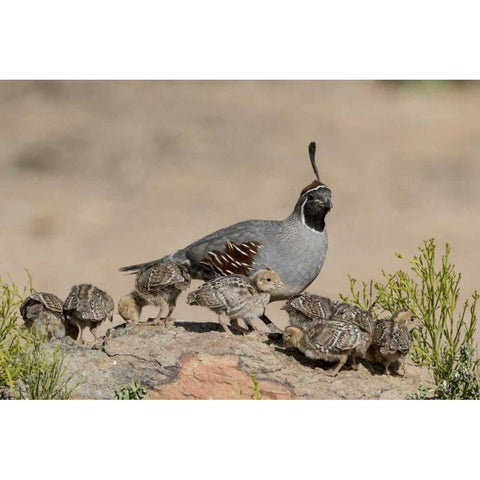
(98, 175)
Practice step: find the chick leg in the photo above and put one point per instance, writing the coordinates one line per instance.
(236, 326)
(158, 318)
(252, 325)
(354, 362)
(223, 320)
(93, 331)
(341, 362)
(386, 364)
(171, 308)
(404, 368)
(79, 333)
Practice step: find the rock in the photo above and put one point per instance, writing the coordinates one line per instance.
(218, 377)
(196, 361)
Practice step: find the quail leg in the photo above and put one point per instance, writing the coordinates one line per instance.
(252, 325)
(354, 362)
(386, 364)
(236, 326)
(158, 318)
(340, 364)
(79, 333)
(223, 320)
(171, 308)
(94, 330)
(404, 368)
(93, 333)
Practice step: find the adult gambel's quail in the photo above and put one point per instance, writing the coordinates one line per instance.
(237, 297)
(295, 247)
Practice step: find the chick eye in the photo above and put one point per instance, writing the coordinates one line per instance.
(269, 279)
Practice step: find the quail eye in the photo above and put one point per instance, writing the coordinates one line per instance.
(309, 196)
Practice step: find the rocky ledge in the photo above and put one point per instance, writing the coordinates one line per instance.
(197, 361)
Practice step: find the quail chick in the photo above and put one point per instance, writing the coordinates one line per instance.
(159, 285)
(332, 341)
(130, 307)
(350, 312)
(392, 339)
(305, 310)
(85, 307)
(44, 312)
(237, 297)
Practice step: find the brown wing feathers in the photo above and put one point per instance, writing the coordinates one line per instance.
(236, 259)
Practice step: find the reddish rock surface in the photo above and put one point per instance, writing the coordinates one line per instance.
(217, 377)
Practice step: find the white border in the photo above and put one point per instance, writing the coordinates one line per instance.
(214, 39)
(242, 439)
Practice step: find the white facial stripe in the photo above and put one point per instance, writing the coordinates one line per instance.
(316, 188)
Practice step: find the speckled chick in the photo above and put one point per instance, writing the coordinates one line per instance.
(44, 312)
(159, 285)
(235, 297)
(350, 312)
(85, 307)
(332, 341)
(306, 309)
(392, 339)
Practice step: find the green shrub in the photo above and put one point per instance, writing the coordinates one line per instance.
(431, 289)
(133, 392)
(26, 368)
(256, 390)
(463, 383)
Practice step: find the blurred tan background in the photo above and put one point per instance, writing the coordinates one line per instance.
(96, 175)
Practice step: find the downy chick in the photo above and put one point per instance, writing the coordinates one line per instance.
(44, 312)
(306, 309)
(332, 341)
(350, 312)
(237, 297)
(159, 285)
(392, 339)
(85, 307)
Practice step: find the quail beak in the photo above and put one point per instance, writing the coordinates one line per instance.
(328, 204)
